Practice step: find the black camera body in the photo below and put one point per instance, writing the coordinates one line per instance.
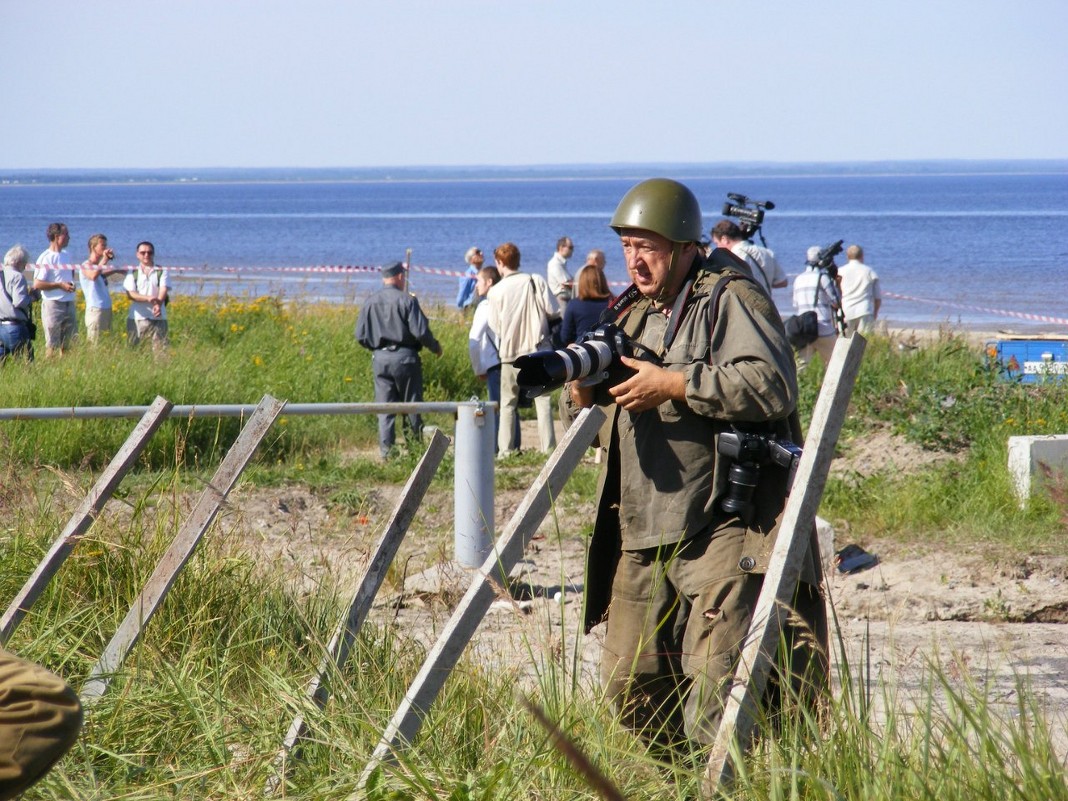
(749, 451)
(592, 357)
(825, 258)
(750, 213)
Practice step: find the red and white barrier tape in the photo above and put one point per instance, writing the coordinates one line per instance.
(1040, 318)
(362, 268)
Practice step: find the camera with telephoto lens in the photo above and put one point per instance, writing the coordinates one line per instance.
(591, 357)
(825, 258)
(750, 213)
(749, 451)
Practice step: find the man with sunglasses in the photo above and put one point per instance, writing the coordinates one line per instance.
(147, 288)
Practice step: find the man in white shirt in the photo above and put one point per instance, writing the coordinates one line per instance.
(861, 296)
(53, 277)
(815, 290)
(560, 280)
(521, 308)
(147, 289)
(762, 262)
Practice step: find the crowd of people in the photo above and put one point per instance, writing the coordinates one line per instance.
(555, 310)
(674, 569)
(56, 276)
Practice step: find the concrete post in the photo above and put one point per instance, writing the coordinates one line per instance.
(473, 483)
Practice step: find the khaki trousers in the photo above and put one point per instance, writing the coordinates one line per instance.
(96, 322)
(543, 405)
(40, 717)
(60, 322)
(678, 617)
(824, 346)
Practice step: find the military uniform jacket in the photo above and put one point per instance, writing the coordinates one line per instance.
(391, 318)
(663, 479)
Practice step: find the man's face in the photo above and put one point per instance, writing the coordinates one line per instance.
(63, 239)
(100, 247)
(567, 249)
(145, 254)
(648, 258)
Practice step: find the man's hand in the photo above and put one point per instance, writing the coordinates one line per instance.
(651, 386)
(581, 396)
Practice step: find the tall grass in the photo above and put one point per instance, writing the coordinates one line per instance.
(223, 351)
(200, 707)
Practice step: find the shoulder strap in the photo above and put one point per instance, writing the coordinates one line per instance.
(719, 288)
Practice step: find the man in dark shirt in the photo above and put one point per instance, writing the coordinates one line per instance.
(393, 327)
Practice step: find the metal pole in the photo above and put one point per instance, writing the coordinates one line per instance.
(473, 482)
(223, 410)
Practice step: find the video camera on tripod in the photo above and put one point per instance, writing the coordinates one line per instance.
(749, 212)
(825, 259)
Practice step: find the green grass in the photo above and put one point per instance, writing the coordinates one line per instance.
(944, 397)
(223, 351)
(199, 709)
(200, 706)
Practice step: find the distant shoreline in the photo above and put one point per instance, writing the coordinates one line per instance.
(122, 176)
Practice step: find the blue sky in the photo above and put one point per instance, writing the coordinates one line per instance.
(206, 83)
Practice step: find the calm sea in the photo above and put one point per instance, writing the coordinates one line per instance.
(983, 244)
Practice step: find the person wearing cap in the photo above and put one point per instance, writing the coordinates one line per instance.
(392, 326)
(675, 573)
(465, 295)
(815, 290)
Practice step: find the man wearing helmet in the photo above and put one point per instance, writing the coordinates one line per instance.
(676, 575)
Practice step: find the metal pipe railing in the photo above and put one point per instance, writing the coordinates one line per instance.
(473, 474)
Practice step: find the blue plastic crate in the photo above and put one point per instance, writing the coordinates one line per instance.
(1031, 361)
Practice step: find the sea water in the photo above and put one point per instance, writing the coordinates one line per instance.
(979, 243)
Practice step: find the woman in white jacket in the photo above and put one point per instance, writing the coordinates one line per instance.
(482, 348)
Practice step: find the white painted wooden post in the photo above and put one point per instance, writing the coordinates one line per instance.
(84, 516)
(784, 568)
(185, 542)
(492, 576)
(375, 572)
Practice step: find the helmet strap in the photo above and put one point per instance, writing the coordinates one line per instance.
(676, 253)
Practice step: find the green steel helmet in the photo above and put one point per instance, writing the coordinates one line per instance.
(662, 206)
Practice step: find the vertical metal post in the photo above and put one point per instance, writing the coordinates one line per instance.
(473, 482)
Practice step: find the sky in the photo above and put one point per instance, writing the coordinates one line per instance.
(266, 83)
